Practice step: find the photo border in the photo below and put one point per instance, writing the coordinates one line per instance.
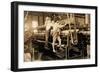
(14, 35)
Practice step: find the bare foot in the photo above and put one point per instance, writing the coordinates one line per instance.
(54, 51)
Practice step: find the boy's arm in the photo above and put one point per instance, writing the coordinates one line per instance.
(61, 26)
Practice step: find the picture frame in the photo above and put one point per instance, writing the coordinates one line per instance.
(29, 35)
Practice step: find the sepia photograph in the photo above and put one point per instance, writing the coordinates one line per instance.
(56, 36)
(53, 36)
